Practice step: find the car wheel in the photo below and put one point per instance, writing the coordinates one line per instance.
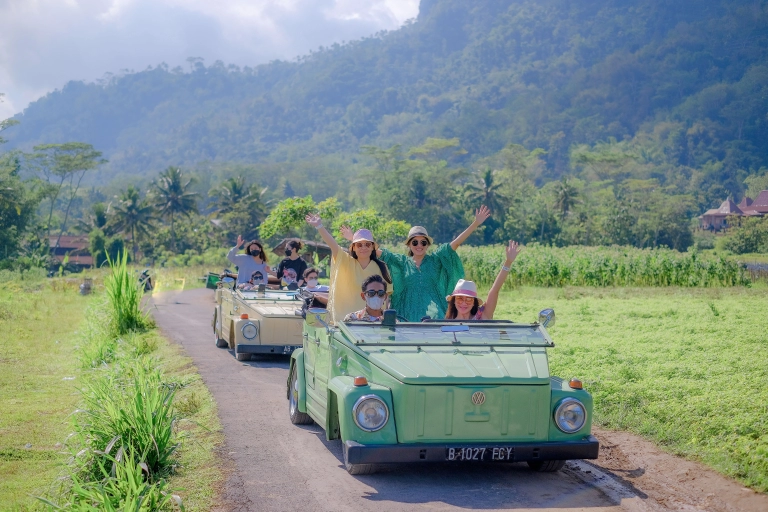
(220, 342)
(240, 356)
(357, 469)
(546, 466)
(297, 417)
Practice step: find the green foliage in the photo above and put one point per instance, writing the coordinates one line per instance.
(173, 197)
(17, 207)
(124, 294)
(288, 216)
(132, 215)
(751, 235)
(602, 266)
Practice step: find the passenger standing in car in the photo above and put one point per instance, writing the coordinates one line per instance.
(254, 260)
(463, 302)
(348, 270)
(291, 269)
(422, 279)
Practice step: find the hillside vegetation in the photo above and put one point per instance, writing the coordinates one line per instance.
(684, 82)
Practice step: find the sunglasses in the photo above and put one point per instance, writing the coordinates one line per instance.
(373, 293)
(463, 299)
(415, 243)
(363, 244)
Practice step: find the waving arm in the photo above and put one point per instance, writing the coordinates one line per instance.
(315, 221)
(512, 250)
(481, 215)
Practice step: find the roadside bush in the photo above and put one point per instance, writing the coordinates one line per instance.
(124, 294)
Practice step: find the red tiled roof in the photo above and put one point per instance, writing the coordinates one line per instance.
(70, 241)
(727, 208)
(745, 203)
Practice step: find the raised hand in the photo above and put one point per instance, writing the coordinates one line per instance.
(347, 232)
(512, 250)
(314, 220)
(481, 215)
(240, 240)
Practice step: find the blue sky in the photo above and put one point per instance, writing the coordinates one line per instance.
(45, 43)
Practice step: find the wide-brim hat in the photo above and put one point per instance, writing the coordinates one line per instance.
(418, 231)
(362, 235)
(465, 289)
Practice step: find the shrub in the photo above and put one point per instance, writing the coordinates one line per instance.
(124, 294)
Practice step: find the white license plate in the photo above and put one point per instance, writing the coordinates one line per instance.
(485, 453)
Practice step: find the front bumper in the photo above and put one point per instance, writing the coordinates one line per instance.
(266, 349)
(586, 448)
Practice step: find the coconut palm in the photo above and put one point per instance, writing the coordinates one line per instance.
(234, 193)
(486, 191)
(566, 197)
(133, 215)
(173, 197)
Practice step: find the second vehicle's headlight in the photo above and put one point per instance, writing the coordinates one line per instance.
(370, 413)
(250, 331)
(570, 415)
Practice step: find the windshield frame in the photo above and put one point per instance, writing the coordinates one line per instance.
(279, 296)
(348, 329)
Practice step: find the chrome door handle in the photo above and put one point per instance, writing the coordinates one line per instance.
(317, 341)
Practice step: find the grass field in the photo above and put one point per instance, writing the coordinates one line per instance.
(43, 323)
(686, 368)
(38, 379)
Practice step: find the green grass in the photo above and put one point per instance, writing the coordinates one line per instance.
(686, 368)
(39, 374)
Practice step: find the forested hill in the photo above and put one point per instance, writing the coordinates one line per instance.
(689, 75)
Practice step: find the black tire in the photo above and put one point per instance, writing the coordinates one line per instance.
(240, 356)
(357, 469)
(546, 466)
(220, 342)
(297, 417)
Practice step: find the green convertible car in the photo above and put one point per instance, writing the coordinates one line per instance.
(438, 391)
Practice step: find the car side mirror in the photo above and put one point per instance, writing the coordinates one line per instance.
(547, 317)
(316, 317)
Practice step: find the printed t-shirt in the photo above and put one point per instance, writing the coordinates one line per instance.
(291, 270)
(347, 278)
(247, 267)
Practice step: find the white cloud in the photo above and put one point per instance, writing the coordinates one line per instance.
(45, 43)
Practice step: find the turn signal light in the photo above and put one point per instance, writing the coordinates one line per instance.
(361, 381)
(575, 384)
(244, 316)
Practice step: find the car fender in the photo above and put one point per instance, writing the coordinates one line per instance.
(297, 361)
(560, 390)
(342, 395)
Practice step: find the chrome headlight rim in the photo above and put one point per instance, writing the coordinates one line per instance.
(363, 399)
(564, 402)
(256, 330)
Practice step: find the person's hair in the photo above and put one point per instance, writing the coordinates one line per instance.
(452, 312)
(294, 244)
(408, 243)
(263, 254)
(309, 271)
(382, 266)
(375, 278)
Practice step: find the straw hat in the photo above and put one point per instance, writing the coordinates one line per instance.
(465, 289)
(362, 235)
(418, 231)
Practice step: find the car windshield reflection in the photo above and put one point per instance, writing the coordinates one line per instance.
(436, 334)
(268, 295)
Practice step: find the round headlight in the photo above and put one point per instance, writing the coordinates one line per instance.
(370, 413)
(250, 331)
(570, 415)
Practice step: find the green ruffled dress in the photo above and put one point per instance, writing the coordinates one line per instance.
(421, 291)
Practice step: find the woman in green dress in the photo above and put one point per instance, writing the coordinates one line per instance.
(422, 279)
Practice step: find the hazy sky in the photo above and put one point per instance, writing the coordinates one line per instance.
(45, 43)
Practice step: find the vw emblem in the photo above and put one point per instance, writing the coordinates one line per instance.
(478, 398)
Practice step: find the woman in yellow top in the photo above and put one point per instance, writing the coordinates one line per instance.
(349, 270)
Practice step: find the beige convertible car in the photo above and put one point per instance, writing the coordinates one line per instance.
(257, 322)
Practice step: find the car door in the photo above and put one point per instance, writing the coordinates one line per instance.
(310, 354)
(323, 368)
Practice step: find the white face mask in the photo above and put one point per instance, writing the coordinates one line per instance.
(311, 283)
(375, 303)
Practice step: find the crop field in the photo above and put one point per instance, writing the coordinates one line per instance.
(683, 367)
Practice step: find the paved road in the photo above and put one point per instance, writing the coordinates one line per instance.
(278, 466)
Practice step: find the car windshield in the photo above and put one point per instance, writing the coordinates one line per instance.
(449, 334)
(269, 295)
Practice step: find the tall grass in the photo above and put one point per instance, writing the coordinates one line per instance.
(539, 265)
(124, 294)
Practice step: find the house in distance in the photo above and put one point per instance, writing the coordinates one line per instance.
(717, 218)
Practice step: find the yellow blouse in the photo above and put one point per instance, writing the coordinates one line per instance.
(347, 277)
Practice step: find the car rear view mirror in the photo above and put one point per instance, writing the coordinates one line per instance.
(547, 317)
(455, 328)
(390, 318)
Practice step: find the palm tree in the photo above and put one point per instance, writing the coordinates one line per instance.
(566, 197)
(173, 197)
(485, 191)
(133, 215)
(234, 192)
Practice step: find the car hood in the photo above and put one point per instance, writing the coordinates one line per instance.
(277, 310)
(469, 365)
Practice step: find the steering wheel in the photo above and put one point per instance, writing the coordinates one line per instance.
(402, 318)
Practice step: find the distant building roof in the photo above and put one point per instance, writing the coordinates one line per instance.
(70, 242)
(727, 208)
(745, 203)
